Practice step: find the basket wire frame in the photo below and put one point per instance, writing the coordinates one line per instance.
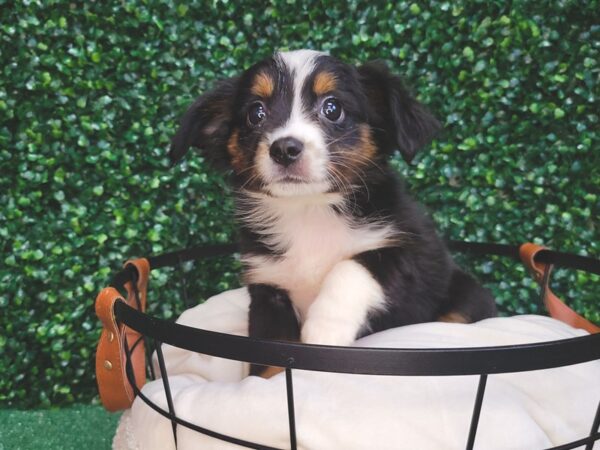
(588, 441)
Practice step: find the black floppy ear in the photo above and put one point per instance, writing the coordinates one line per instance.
(408, 124)
(206, 124)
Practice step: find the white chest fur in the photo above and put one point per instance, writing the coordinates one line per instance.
(312, 238)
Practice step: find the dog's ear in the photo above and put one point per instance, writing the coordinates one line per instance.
(206, 125)
(408, 124)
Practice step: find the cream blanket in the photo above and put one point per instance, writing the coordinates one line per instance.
(531, 410)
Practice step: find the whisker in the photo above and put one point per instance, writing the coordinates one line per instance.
(347, 186)
(253, 166)
(363, 159)
(338, 181)
(254, 177)
(347, 167)
(343, 136)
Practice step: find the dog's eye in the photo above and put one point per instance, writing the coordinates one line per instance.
(257, 113)
(332, 109)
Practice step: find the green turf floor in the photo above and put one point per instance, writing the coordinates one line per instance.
(85, 427)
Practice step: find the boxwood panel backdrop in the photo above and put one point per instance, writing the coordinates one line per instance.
(90, 94)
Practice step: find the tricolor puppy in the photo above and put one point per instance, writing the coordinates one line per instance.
(332, 245)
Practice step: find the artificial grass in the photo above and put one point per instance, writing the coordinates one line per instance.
(78, 427)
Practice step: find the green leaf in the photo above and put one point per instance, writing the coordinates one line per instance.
(468, 53)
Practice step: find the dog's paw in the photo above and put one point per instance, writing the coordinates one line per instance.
(327, 332)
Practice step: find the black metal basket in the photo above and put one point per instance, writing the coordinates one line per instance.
(482, 361)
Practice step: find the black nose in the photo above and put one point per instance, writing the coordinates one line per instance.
(285, 151)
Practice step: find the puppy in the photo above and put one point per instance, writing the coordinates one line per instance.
(333, 247)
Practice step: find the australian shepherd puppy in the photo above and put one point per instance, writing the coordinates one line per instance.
(333, 247)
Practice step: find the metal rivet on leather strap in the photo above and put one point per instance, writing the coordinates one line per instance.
(107, 365)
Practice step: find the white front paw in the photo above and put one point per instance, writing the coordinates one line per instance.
(327, 332)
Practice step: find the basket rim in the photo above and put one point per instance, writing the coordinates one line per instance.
(366, 360)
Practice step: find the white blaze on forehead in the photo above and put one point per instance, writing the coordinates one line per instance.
(300, 64)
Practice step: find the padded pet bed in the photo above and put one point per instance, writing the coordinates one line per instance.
(525, 410)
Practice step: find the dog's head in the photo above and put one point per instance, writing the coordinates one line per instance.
(303, 122)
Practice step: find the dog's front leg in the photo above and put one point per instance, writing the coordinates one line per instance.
(348, 294)
(271, 316)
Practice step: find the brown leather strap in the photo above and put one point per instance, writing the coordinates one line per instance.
(555, 306)
(115, 391)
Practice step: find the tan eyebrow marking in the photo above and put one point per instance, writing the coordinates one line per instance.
(262, 85)
(324, 82)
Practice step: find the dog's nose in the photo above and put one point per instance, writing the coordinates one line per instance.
(285, 151)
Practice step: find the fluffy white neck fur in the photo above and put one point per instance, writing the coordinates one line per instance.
(311, 236)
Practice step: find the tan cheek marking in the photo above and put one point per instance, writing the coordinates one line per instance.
(262, 85)
(363, 153)
(368, 148)
(261, 157)
(354, 159)
(453, 317)
(324, 82)
(237, 157)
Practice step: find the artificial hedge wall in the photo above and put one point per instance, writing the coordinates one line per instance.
(90, 94)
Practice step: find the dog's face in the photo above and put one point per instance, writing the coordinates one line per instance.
(303, 123)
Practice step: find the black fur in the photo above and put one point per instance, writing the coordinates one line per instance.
(421, 281)
(206, 125)
(271, 316)
(408, 125)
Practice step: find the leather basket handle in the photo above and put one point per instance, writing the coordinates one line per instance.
(555, 306)
(115, 390)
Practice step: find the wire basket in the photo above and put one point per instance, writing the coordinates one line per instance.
(122, 364)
